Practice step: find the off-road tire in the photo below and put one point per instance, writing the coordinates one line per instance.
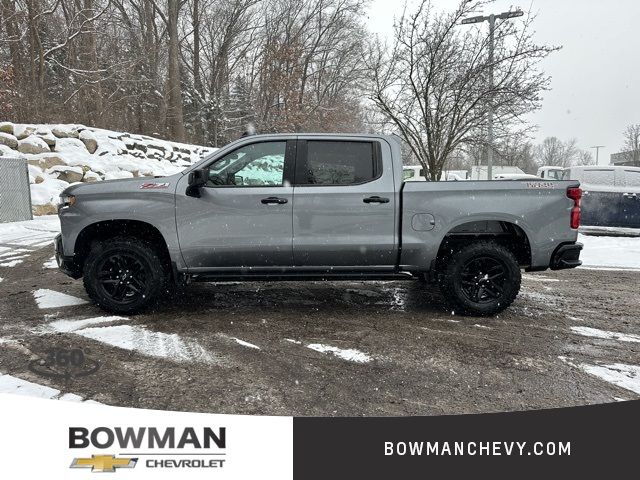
(151, 269)
(472, 293)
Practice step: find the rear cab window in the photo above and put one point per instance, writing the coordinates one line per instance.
(337, 162)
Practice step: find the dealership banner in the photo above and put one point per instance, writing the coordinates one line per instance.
(53, 439)
(56, 439)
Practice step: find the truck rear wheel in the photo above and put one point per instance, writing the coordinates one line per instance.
(124, 275)
(481, 279)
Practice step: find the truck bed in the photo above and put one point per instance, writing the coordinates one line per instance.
(431, 210)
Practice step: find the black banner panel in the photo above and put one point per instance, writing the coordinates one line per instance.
(600, 441)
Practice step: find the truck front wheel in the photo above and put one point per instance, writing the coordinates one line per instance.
(481, 279)
(124, 274)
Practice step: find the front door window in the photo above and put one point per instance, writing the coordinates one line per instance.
(255, 165)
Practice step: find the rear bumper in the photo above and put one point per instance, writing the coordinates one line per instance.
(66, 264)
(566, 255)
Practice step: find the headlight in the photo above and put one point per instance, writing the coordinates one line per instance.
(67, 200)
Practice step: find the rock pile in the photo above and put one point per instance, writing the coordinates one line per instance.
(60, 155)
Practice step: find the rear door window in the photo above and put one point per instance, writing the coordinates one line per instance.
(599, 177)
(631, 178)
(337, 163)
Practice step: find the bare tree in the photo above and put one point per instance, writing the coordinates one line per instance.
(197, 70)
(432, 84)
(516, 151)
(175, 121)
(631, 148)
(554, 152)
(584, 158)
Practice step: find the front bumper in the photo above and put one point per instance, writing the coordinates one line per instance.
(66, 264)
(566, 256)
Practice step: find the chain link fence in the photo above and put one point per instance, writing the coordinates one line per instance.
(15, 194)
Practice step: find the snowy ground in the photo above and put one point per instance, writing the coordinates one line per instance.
(19, 239)
(610, 252)
(328, 348)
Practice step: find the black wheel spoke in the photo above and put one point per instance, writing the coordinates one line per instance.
(123, 278)
(482, 279)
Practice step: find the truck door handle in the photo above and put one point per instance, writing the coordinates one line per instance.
(375, 199)
(274, 200)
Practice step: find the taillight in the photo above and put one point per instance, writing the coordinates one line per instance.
(575, 194)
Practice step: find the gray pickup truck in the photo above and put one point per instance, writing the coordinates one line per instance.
(309, 207)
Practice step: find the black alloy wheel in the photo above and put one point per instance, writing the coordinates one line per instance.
(125, 274)
(482, 279)
(122, 278)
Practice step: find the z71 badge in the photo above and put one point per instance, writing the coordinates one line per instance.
(152, 185)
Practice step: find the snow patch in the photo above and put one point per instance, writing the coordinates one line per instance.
(239, 341)
(539, 278)
(30, 233)
(11, 384)
(616, 252)
(12, 263)
(51, 263)
(153, 344)
(596, 333)
(18, 386)
(619, 374)
(245, 344)
(477, 325)
(66, 326)
(350, 354)
(51, 299)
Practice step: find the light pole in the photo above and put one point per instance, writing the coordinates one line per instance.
(597, 147)
(492, 23)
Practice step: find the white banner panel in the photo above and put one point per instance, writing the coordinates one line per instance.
(56, 439)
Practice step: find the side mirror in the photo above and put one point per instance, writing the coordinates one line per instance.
(197, 179)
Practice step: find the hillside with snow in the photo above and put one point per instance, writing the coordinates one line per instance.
(61, 155)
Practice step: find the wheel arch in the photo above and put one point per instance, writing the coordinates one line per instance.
(106, 229)
(503, 232)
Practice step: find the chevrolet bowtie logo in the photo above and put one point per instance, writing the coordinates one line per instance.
(103, 463)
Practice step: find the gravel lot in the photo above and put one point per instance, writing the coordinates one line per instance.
(331, 348)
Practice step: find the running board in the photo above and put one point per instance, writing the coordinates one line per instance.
(283, 277)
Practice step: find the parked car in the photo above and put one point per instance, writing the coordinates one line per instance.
(480, 172)
(550, 173)
(313, 207)
(515, 176)
(415, 173)
(611, 195)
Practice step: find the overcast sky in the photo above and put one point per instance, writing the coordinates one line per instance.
(595, 84)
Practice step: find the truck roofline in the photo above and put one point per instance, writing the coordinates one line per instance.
(289, 136)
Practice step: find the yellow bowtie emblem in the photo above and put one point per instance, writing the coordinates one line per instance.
(103, 463)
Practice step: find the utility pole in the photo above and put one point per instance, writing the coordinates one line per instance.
(492, 23)
(597, 147)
